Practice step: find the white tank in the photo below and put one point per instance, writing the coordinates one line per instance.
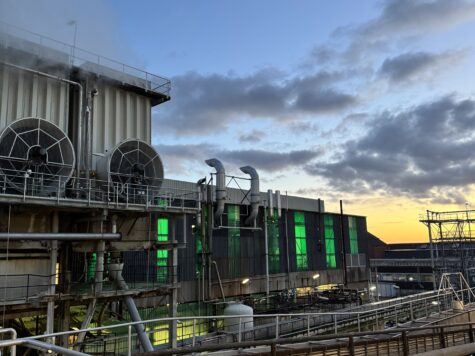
(457, 305)
(237, 309)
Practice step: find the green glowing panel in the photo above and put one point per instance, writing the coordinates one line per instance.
(273, 242)
(199, 244)
(300, 241)
(91, 268)
(329, 241)
(162, 255)
(353, 233)
(234, 241)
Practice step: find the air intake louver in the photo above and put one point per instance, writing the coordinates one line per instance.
(37, 152)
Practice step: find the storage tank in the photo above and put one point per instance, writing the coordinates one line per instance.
(238, 309)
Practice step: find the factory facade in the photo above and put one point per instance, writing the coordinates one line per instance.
(89, 219)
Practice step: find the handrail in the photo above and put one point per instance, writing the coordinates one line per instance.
(158, 84)
(214, 317)
(166, 193)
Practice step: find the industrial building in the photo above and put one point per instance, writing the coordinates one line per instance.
(92, 231)
(407, 268)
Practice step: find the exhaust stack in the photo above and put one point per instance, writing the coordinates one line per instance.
(270, 202)
(278, 203)
(255, 195)
(220, 186)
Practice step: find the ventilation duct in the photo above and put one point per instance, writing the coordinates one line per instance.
(133, 167)
(37, 153)
(255, 194)
(278, 203)
(270, 202)
(220, 186)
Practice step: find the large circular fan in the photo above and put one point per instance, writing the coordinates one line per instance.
(135, 164)
(38, 151)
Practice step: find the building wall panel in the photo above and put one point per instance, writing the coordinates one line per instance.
(24, 94)
(119, 115)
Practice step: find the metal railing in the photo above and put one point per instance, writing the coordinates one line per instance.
(166, 193)
(29, 287)
(83, 58)
(194, 331)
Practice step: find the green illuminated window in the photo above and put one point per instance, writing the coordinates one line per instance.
(300, 241)
(234, 241)
(353, 235)
(91, 268)
(162, 255)
(199, 243)
(329, 241)
(273, 242)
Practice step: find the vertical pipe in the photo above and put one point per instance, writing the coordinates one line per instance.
(377, 285)
(343, 246)
(203, 248)
(266, 249)
(431, 251)
(287, 238)
(172, 297)
(101, 246)
(52, 281)
(210, 238)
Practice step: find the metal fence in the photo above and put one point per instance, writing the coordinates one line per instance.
(166, 193)
(29, 287)
(214, 331)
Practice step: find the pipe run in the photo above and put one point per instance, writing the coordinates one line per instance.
(220, 186)
(115, 274)
(59, 236)
(45, 346)
(255, 194)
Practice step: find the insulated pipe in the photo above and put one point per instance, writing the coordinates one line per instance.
(60, 236)
(80, 104)
(52, 269)
(199, 188)
(278, 203)
(255, 194)
(89, 122)
(270, 199)
(115, 274)
(220, 186)
(45, 346)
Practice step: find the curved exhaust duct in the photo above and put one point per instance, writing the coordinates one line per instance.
(220, 186)
(255, 194)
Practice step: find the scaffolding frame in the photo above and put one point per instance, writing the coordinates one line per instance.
(450, 236)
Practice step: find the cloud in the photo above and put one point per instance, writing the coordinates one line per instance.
(210, 103)
(252, 137)
(412, 66)
(177, 157)
(414, 17)
(414, 152)
(269, 161)
(396, 21)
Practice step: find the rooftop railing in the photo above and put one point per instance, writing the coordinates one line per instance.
(63, 190)
(43, 47)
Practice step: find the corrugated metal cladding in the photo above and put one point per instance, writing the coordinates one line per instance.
(119, 115)
(24, 94)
